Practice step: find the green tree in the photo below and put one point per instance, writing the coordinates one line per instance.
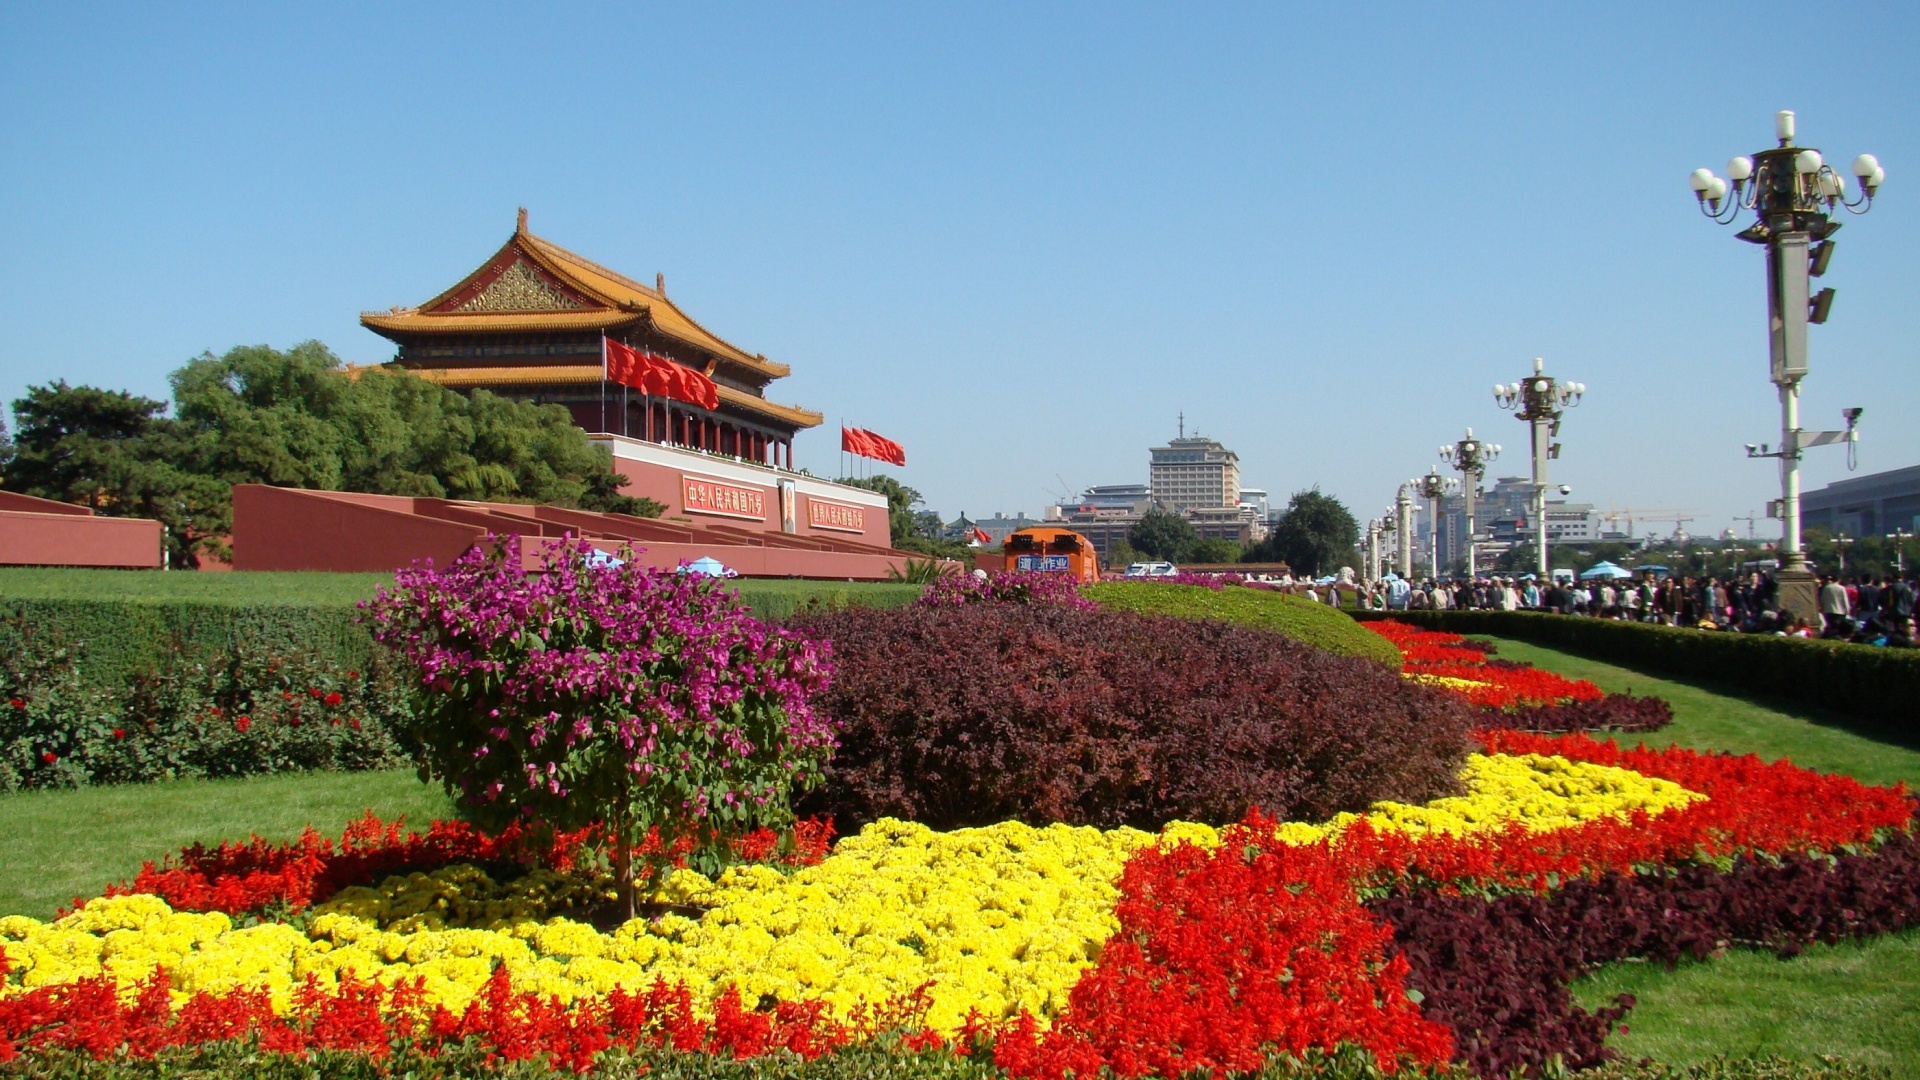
(1214, 549)
(1316, 536)
(6, 451)
(120, 456)
(1164, 534)
(297, 419)
(1120, 555)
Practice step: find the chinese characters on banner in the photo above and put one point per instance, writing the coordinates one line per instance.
(836, 516)
(701, 496)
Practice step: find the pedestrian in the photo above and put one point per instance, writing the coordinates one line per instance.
(1834, 606)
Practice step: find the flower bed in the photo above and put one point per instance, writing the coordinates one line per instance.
(1051, 949)
(1511, 695)
(1405, 934)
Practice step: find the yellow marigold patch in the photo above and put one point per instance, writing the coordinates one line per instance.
(996, 919)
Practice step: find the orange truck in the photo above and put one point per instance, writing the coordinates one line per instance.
(1058, 550)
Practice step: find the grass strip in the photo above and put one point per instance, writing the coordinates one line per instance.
(1262, 609)
(56, 845)
(1707, 720)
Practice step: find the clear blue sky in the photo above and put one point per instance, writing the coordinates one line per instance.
(1017, 238)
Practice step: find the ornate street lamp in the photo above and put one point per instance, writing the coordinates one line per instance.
(1540, 401)
(1793, 194)
(1471, 456)
(1403, 529)
(1433, 487)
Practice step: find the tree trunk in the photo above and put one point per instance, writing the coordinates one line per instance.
(623, 865)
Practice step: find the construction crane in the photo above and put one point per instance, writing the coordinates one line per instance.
(1613, 516)
(1749, 519)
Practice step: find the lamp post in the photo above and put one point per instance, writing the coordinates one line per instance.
(1540, 400)
(1794, 194)
(1373, 549)
(1840, 546)
(1899, 538)
(1403, 530)
(1471, 456)
(1433, 487)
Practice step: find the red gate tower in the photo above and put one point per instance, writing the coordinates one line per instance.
(528, 325)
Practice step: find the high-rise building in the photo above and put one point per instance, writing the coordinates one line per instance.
(1194, 474)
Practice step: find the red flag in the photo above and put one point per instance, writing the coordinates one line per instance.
(867, 444)
(980, 535)
(653, 374)
(620, 362)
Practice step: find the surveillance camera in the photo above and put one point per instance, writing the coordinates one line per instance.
(1751, 448)
(1852, 415)
(1566, 489)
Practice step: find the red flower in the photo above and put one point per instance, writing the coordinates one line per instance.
(49, 757)
(286, 695)
(17, 703)
(243, 724)
(119, 733)
(353, 675)
(313, 692)
(332, 699)
(355, 723)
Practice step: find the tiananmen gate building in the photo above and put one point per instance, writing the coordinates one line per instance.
(528, 324)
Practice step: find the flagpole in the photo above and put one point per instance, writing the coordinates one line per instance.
(603, 382)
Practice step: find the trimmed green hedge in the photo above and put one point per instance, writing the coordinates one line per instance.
(1863, 680)
(1262, 609)
(131, 623)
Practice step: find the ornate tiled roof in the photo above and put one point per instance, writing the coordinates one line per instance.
(532, 284)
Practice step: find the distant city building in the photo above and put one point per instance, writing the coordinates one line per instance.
(1257, 498)
(1112, 499)
(997, 527)
(1194, 472)
(1874, 504)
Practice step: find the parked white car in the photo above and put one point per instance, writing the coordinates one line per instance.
(1151, 569)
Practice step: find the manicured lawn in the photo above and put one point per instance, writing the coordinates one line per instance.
(56, 845)
(769, 598)
(1858, 1000)
(238, 587)
(1714, 721)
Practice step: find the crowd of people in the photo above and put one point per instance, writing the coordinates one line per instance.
(1865, 609)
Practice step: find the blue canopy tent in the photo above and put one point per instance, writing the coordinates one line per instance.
(1605, 569)
(708, 566)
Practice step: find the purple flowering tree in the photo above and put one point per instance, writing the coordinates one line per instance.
(1006, 587)
(589, 693)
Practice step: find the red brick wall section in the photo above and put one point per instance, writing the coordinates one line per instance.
(29, 505)
(287, 529)
(78, 540)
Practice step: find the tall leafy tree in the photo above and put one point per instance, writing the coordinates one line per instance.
(297, 419)
(119, 455)
(1316, 536)
(1164, 535)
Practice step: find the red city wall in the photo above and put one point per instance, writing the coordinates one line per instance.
(840, 516)
(293, 529)
(68, 539)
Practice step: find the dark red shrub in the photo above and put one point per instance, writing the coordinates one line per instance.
(977, 714)
(1615, 712)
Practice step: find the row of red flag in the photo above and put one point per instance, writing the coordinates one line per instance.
(653, 374)
(865, 443)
